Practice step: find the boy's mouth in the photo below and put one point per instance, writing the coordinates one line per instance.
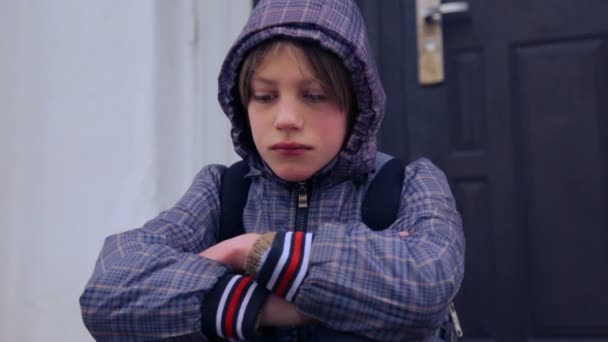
(290, 148)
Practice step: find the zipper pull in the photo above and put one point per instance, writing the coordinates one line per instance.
(302, 196)
(455, 320)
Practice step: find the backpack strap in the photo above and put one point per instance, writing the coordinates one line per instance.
(378, 210)
(380, 205)
(234, 190)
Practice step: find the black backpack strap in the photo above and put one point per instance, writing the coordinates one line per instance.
(234, 190)
(383, 195)
(378, 210)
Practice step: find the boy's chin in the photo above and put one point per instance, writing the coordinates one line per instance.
(293, 174)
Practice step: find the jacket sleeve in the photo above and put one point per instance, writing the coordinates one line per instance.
(377, 284)
(150, 283)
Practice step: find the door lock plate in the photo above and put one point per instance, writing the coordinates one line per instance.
(430, 42)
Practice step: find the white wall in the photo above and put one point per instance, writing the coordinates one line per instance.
(8, 84)
(107, 109)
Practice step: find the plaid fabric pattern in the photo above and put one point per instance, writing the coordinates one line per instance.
(150, 284)
(376, 284)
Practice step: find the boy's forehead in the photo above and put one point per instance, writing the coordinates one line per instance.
(282, 60)
(273, 81)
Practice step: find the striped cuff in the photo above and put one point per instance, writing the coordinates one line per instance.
(284, 267)
(231, 309)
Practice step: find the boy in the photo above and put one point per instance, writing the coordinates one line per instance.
(305, 103)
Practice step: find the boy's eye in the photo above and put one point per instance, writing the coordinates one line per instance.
(315, 97)
(263, 97)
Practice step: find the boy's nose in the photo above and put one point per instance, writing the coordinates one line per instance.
(288, 116)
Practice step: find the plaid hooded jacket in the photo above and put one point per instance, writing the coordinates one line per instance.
(150, 283)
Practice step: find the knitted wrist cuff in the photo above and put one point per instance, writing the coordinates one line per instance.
(232, 308)
(284, 268)
(260, 249)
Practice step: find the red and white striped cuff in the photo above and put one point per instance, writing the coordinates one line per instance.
(231, 309)
(284, 267)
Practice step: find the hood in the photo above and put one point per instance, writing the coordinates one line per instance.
(337, 26)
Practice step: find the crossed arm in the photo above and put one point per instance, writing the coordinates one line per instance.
(150, 282)
(276, 310)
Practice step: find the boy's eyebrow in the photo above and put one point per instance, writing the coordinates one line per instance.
(306, 81)
(263, 80)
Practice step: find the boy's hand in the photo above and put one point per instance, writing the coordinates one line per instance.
(277, 312)
(232, 252)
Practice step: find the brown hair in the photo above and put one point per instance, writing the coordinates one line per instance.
(326, 67)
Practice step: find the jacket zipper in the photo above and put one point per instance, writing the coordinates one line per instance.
(302, 207)
(301, 223)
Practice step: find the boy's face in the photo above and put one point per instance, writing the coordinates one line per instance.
(297, 128)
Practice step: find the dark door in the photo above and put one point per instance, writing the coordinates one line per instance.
(520, 126)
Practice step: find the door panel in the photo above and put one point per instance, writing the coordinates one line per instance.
(478, 297)
(520, 126)
(557, 102)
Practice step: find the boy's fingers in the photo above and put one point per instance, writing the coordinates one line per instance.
(404, 234)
